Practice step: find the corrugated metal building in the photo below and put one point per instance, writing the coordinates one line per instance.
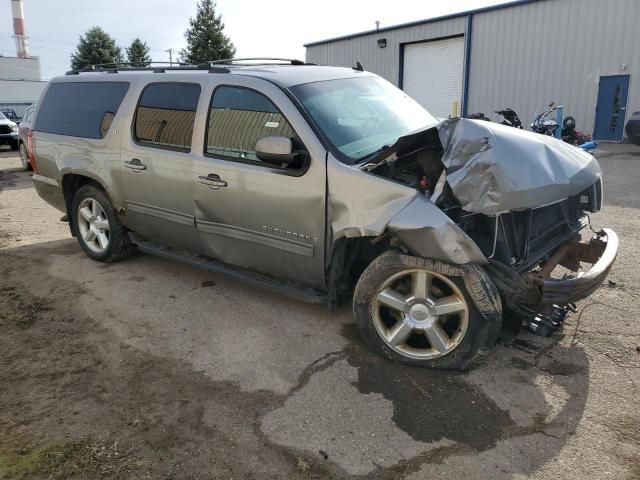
(582, 54)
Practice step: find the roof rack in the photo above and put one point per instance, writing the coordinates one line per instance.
(160, 67)
(210, 65)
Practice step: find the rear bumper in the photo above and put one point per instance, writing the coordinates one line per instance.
(564, 291)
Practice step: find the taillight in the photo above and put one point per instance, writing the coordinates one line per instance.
(32, 157)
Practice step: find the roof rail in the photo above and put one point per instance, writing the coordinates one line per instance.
(289, 61)
(211, 65)
(129, 67)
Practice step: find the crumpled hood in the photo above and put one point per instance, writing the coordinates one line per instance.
(493, 169)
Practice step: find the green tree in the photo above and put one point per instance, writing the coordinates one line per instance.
(94, 48)
(138, 53)
(205, 36)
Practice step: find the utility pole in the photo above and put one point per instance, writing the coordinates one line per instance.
(170, 52)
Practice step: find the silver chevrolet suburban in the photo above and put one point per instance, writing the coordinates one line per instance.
(328, 184)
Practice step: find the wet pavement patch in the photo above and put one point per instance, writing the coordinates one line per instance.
(429, 405)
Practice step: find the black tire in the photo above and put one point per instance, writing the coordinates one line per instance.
(482, 330)
(119, 246)
(15, 145)
(24, 158)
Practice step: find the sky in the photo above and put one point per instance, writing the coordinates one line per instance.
(276, 28)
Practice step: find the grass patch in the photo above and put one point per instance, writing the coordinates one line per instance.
(55, 461)
(15, 312)
(19, 460)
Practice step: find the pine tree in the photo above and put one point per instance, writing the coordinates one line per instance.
(94, 48)
(138, 53)
(205, 37)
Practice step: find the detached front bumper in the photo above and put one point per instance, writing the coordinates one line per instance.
(603, 248)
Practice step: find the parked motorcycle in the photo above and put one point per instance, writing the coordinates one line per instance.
(571, 135)
(511, 118)
(478, 116)
(544, 125)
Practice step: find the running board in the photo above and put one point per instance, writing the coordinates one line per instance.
(265, 282)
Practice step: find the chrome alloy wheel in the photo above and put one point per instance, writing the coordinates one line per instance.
(420, 314)
(93, 225)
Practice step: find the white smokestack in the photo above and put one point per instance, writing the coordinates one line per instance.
(22, 47)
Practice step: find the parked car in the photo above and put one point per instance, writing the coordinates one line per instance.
(11, 114)
(327, 184)
(633, 128)
(25, 137)
(8, 132)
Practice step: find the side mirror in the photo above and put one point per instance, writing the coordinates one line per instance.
(276, 150)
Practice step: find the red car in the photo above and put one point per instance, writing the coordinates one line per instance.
(25, 136)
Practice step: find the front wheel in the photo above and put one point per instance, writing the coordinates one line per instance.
(411, 313)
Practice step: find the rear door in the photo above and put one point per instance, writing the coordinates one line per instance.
(251, 214)
(157, 165)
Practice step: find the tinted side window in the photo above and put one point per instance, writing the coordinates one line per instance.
(238, 118)
(166, 114)
(78, 109)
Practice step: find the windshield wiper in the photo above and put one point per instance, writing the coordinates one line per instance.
(379, 150)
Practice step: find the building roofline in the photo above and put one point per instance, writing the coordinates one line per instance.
(514, 3)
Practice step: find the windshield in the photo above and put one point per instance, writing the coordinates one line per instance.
(361, 116)
(2, 117)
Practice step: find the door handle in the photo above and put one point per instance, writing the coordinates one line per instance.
(213, 181)
(135, 164)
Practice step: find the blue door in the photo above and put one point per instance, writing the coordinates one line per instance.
(611, 107)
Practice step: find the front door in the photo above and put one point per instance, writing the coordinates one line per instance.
(611, 107)
(249, 213)
(157, 165)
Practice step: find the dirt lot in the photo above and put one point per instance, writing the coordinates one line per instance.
(151, 369)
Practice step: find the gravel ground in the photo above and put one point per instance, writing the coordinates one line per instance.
(152, 369)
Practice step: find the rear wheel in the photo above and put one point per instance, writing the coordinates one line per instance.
(413, 314)
(24, 157)
(97, 226)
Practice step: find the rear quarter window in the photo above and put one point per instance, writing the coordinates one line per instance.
(80, 109)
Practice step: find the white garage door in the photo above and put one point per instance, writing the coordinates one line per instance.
(432, 74)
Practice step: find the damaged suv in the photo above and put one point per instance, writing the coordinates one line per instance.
(328, 184)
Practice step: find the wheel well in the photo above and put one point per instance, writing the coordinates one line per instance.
(349, 258)
(71, 183)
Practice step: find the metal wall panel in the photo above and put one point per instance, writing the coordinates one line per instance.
(383, 61)
(555, 50)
